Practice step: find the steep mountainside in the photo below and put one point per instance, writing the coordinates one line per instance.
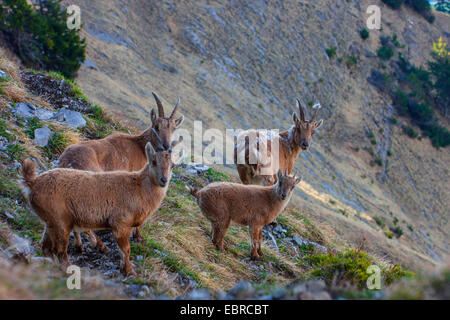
(241, 64)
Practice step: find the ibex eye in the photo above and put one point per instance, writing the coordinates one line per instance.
(154, 163)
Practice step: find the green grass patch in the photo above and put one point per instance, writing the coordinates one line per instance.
(56, 145)
(331, 52)
(16, 151)
(351, 266)
(32, 125)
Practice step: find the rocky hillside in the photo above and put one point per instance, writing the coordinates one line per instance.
(42, 113)
(240, 64)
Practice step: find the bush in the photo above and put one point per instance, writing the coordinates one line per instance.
(443, 6)
(440, 73)
(351, 266)
(394, 4)
(331, 52)
(397, 231)
(423, 7)
(379, 222)
(364, 34)
(410, 131)
(351, 61)
(385, 53)
(40, 37)
(56, 145)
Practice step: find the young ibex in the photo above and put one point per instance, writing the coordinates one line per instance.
(119, 151)
(68, 199)
(291, 142)
(254, 206)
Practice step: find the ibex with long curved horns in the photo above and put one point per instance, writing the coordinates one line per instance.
(120, 151)
(290, 143)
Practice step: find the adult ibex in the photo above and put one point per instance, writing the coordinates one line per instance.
(120, 151)
(290, 143)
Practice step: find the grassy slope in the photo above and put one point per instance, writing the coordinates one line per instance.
(250, 79)
(178, 254)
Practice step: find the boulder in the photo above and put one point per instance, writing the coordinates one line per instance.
(42, 136)
(243, 290)
(44, 114)
(25, 110)
(71, 118)
(3, 75)
(199, 294)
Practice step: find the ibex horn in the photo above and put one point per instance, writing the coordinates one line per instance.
(301, 109)
(159, 142)
(175, 108)
(317, 106)
(159, 104)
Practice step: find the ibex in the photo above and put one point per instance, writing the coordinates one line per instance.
(291, 142)
(249, 205)
(119, 151)
(68, 199)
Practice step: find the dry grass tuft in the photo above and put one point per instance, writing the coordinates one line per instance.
(14, 93)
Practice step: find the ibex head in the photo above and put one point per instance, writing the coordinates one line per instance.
(160, 162)
(304, 129)
(286, 184)
(165, 126)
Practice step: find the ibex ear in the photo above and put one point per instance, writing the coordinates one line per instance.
(179, 122)
(279, 174)
(153, 116)
(297, 180)
(317, 124)
(149, 151)
(176, 142)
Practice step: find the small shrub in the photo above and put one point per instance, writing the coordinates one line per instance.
(397, 231)
(410, 227)
(32, 125)
(389, 234)
(56, 145)
(394, 4)
(332, 202)
(380, 222)
(395, 220)
(331, 52)
(351, 266)
(364, 34)
(385, 53)
(351, 61)
(393, 120)
(410, 132)
(378, 161)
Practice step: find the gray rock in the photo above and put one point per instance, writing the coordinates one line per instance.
(199, 294)
(24, 110)
(298, 240)
(42, 136)
(243, 290)
(220, 294)
(3, 143)
(279, 229)
(44, 114)
(71, 118)
(3, 75)
(316, 286)
(90, 64)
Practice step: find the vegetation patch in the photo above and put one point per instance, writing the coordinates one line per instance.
(351, 266)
